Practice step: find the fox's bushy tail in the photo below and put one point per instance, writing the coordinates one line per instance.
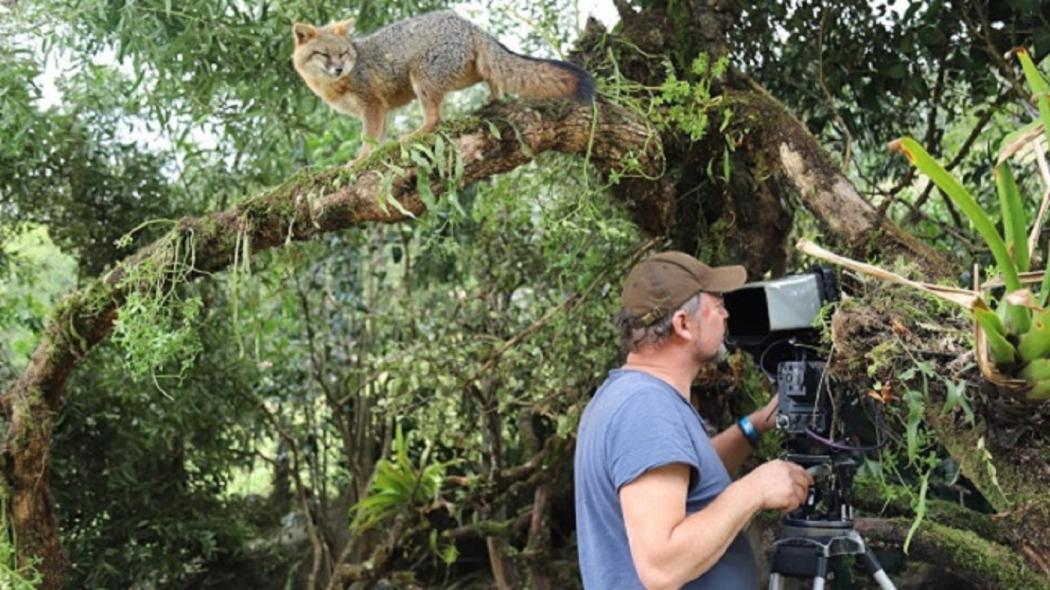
(532, 77)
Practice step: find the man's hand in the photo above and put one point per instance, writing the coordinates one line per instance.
(765, 418)
(780, 484)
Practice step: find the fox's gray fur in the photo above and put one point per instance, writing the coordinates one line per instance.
(423, 57)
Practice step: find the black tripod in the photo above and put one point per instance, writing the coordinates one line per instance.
(822, 529)
(805, 552)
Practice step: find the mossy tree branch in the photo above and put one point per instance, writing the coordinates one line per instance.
(981, 562)
(1010, 476)
(784, 146)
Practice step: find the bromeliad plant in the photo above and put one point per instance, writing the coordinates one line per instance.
(399, 485)
(1015, 330)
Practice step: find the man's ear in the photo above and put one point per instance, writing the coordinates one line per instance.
(342, 28)
(680, 325)
(303, 32)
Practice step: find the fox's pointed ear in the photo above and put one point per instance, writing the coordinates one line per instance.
(342, 28)
(303, 32)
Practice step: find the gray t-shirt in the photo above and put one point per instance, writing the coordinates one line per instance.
(634, 423)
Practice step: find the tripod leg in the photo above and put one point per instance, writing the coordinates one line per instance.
(822, 573)
(875, 568)
(775, 583)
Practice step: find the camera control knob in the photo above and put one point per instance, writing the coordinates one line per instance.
(783, 421)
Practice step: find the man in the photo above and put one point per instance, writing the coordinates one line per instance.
(655, 504)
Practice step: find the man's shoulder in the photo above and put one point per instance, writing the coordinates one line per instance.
(631, 396)
(636, 389)
(631, 383)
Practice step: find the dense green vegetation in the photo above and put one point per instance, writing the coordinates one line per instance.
(409, 392)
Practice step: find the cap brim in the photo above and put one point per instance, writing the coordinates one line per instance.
(724, 279)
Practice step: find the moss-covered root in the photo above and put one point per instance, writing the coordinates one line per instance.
(964, 553)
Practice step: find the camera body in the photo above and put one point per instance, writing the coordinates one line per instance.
(774, 322)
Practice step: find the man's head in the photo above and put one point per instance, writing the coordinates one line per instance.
(672, 295)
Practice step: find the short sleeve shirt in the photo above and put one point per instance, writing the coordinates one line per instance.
(636, 422)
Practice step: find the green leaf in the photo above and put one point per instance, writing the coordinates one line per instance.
(1031, 73)
(1037, 370)
(425, 193)
(956, 398)
(1003, 353)
(920, 508)
(1044, 285)
(493, 129)
(1035, 343)
(1014, 222)
(916, 406)
(1040, 88)
(1019, 319)
(1039, 392)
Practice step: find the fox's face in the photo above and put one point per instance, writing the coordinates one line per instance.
(323, 52)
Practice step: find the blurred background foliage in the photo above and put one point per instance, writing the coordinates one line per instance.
(481, 329)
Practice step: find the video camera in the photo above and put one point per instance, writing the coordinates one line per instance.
(774, 321)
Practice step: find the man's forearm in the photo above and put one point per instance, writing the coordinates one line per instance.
(700, 540)
(733, 449)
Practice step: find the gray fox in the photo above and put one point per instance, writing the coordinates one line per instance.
(422, 57)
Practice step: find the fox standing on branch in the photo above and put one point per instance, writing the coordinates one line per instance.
(423, 57)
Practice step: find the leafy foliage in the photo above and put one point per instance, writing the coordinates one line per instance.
(398, 485)
(688, 104)
(1021, 342)
(482, 327)
(13, 576)
(157, 326)
(140, 479)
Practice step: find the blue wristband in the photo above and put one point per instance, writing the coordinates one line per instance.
(751, 433)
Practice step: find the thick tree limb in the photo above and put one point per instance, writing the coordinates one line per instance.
(301, 209)
(784, 145)
(979, 561)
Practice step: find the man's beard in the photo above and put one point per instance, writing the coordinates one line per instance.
(718, 356)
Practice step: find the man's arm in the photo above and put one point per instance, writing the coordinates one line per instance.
(668, 547)
(731, 444)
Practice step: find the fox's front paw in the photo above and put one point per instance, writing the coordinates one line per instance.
(362, 154)
(423, 130)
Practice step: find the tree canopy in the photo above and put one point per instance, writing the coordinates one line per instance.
(231, 361)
